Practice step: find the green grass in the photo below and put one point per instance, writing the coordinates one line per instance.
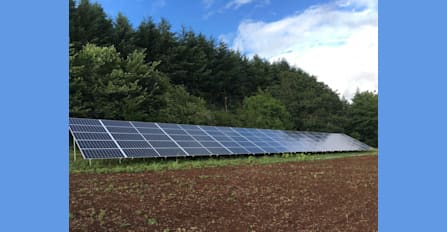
(142, 165)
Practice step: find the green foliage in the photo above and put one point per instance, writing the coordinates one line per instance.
(151, 221)
(123, 35)
(89, 24)
(364, 117)
(103, 85)
(184, 108)
(101, 215)
(150, 73)
(223, 118)
(313, 105)
(264, 111)
(143, 165)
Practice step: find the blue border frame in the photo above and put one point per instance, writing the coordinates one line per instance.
(34, 116)
(412, 116)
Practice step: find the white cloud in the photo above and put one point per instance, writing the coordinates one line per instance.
(237, 3)
(337, 42)
(225, 38)
(212, 9)
(207, 3)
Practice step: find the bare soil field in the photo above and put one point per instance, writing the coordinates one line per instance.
(326, 195)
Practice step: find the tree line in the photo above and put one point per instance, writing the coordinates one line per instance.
(150, 73)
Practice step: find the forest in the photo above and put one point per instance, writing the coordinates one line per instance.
(148, 72)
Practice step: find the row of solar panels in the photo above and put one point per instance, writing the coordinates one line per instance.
(108, 139)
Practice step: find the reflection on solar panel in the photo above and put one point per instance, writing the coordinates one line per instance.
(109, 139)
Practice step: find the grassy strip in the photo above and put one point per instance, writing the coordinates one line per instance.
(142, 165)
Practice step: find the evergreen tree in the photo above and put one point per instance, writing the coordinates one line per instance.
(153, 74)
(312, 105)
(363, 115)
(123, 35)
(146, 37)
(89, 24)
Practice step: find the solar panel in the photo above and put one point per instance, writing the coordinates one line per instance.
(110, 139)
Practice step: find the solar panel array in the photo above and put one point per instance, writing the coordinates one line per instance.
(108, 139)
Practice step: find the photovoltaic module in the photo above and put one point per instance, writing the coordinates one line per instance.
(111, 139)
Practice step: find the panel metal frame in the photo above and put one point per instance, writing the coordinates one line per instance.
(172, 139)
(197, 141)
(234, 141)
(243, 136)
(289, 141)
(75, 143)
(108, 132)
(138, 131)
(215, 140)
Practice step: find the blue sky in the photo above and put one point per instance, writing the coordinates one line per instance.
(211, 17)
(335, 40)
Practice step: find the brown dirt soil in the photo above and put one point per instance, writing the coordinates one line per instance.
(329, 195)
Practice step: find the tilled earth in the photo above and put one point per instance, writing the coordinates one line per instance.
(328, 195)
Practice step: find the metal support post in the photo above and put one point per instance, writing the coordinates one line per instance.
(74, 149)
